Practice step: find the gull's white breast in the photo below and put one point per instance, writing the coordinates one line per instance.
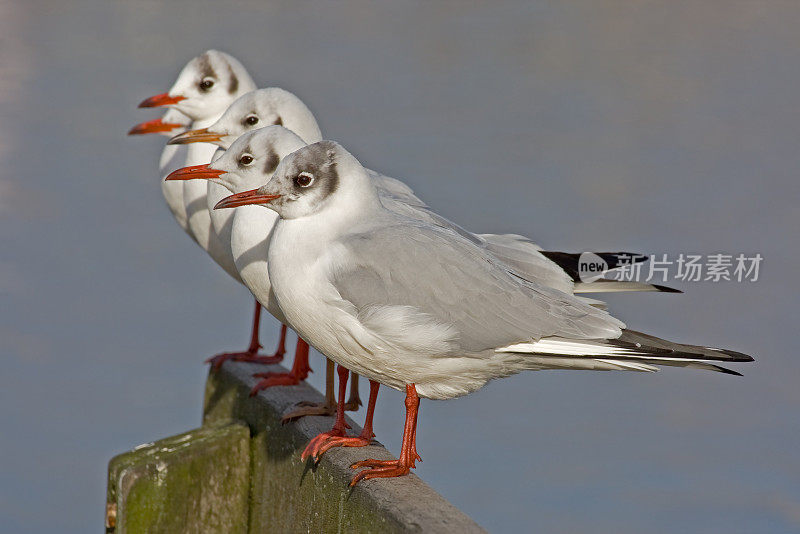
(251, 230)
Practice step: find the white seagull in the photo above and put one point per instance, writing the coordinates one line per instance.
(275, 106)
(419, 306)
(204, 89)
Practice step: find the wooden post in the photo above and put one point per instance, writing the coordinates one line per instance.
(214, 483)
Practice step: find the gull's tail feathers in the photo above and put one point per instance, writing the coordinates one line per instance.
(632, 351)
(618, 286)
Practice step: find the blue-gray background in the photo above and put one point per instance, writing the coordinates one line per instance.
(651, 126)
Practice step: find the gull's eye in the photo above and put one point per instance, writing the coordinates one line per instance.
(304, 179)
(207, 84)
(245, 160)
(251, 120)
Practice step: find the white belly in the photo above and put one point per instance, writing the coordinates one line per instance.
(197, 214)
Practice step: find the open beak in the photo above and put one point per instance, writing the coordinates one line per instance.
(153, 126)
(245, 198)
(161, 100)
(195, 136)
(195, 172)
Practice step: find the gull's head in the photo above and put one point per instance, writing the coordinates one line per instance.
(249, 163)
(171, 123)
(206, 86)
(257, 109)
(315, 178)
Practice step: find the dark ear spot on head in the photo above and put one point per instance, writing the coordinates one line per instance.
(272, 162)
(331, 183)
(204, 66)
(278, 121)
(233, 84)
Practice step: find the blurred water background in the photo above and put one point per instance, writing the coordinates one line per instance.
(659, 127)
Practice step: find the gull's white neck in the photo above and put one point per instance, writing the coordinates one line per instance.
(251, 234)
(304, 239)
(200, 153)
(195, 199)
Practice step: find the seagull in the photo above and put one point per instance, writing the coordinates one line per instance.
(418, 306)
(204, 89)
(171, 123)
(276, 106)
(247, 164)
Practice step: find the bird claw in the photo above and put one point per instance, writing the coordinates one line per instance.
(247, 356)
(306, 408)
(343, 441)
(380, 469)
(314, 449)
(380, 464)
(273, 379)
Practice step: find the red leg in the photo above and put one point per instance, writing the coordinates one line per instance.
(408, 451)
(251, 354)
(298, 373)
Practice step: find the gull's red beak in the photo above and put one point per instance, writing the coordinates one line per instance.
(195, 136)
(161, 100)
(153, 126)
(245, 198)
(195, 172)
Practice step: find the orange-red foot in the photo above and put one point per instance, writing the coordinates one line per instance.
(251, 354)
(379, 464)
(337, 437)
(269, 380)
(381, 469)
(299, 372)
(340, 441)
(250, 357)
(314, 449)
(309, 408)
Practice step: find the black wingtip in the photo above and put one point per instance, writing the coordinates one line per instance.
(736, 356)
(568, 261)
(666, 289)
(618, 259)
(727, 371)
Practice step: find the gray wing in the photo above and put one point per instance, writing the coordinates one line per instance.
(516, 251)
(457, 283)
(526, 259)
(395, 189)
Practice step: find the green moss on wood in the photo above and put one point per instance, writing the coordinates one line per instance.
(193, 482)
